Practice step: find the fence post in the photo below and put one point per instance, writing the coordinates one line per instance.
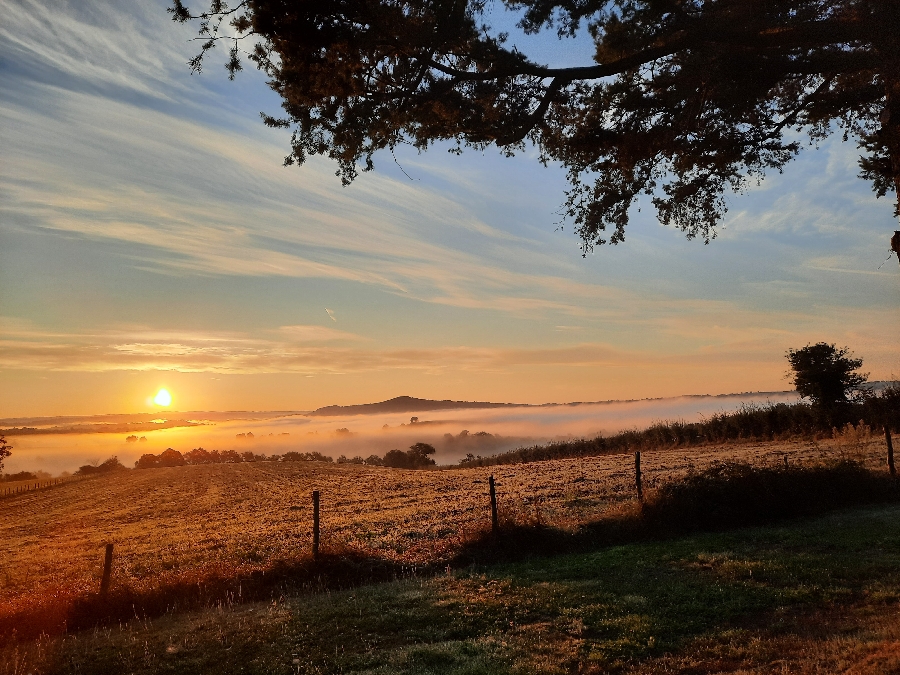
(315, 524)
(637, 476)
(107, 570)
(890, 446)
(495, 522)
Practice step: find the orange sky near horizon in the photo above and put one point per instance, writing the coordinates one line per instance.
(150, 237)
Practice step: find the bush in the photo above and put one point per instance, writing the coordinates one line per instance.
(148, 461)
(21, 475)
(737, 495)
(5, 451)
(230, 457)
(294, 456)
(202, 456)
(170, 457)
(110, 465)
(414, 458)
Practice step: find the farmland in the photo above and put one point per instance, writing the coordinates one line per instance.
(183, 524)
(814, 596)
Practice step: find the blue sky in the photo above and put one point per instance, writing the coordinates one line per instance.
(149, 237)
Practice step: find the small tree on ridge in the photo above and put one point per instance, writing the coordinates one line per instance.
(825, 374)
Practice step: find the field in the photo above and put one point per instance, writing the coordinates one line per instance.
(814, 596)
(181, 526)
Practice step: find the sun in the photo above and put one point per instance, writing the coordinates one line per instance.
(163, 398)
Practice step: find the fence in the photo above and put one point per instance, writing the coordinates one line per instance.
(32, 486)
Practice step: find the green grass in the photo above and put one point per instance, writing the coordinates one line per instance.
(602, 611)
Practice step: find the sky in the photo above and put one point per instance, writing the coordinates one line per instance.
(150, 237)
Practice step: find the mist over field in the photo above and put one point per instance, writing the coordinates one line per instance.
(454, 433)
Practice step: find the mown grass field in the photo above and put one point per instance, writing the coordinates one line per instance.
(185, 524)
(813, 596)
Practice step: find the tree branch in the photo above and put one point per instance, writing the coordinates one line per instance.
(536, 116)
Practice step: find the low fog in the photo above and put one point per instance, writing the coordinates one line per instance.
(454, 433)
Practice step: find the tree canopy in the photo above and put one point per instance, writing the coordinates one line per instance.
(825, 374)
(5, 451)
(685, 100)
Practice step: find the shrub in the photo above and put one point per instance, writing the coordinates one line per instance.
(737, 495)
(4, 451)
(110, 465)
(21, 475)
(414, 458)
(294, 456)
(148, 461)
(171, 457)
(202, 456)
(230, 457)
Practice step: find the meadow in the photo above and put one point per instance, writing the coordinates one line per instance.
(181, 527)
(813, 596)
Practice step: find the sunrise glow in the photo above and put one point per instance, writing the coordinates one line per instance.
(163, 398)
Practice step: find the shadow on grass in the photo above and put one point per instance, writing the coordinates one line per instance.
(724, 497)
(334, 569)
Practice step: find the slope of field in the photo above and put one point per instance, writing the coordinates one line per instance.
(184, 523)
(815, 596)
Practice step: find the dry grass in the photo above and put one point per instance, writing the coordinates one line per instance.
(814, 596)
(177, 527)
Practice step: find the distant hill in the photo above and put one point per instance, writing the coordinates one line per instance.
(405, 404)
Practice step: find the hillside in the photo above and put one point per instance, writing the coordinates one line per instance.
(817, 596)
(179, 526)
(405, 404)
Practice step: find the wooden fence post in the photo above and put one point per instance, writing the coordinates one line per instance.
(495, 522)
(637, 476)
(107, 570)
(890, 446)
(315, 525)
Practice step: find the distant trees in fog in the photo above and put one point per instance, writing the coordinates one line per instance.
(414, 458)
(110, 465)
(417, 457)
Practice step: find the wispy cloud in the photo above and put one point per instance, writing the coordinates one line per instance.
(310, 349)
(110, 146)
(318, 334)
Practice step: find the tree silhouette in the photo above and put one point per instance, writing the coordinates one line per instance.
(825, 374)
(5, 451)
(416, 457)
(686, 99)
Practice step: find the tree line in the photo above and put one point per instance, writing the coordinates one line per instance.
(415, 458)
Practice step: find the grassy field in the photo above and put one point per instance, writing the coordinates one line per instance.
(187, 522)
(813, 596)
(181, 526)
